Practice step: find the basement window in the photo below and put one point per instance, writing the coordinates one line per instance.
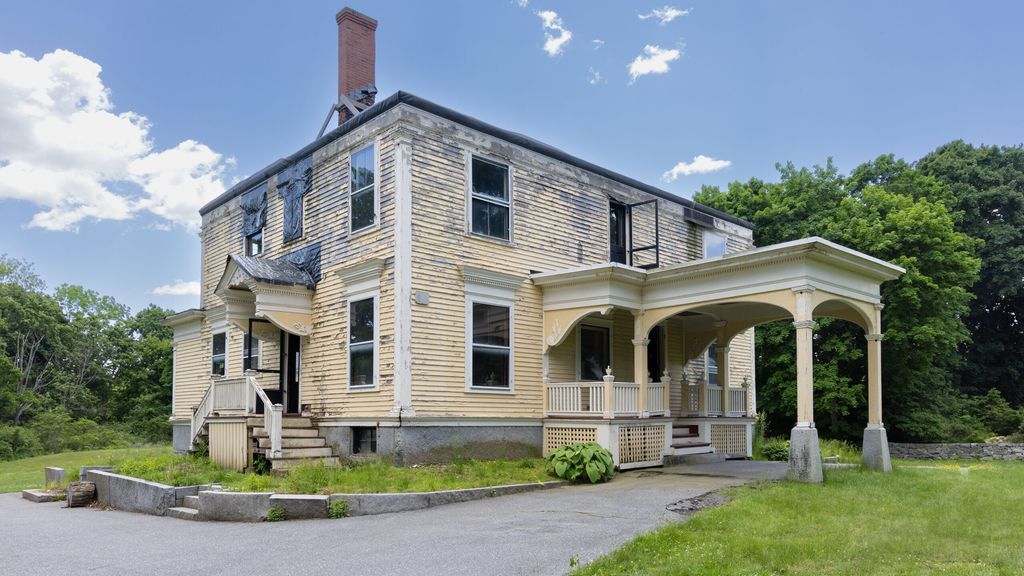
(254, 244)
(490, 205)
(364, 440)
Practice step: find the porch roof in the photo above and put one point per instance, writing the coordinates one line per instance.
(273, 290)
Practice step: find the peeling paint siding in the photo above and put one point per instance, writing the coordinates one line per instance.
(192, 375)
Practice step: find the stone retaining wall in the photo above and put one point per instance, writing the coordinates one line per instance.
(957, 451)
(131, 494)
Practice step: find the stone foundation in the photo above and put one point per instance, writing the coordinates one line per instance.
(957, 451)
(805, 456)
(181, 441)
(440, 444)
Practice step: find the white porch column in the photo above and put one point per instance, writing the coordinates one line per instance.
(722, 360)
(640, 375)
(804, 451)
(875, 450)
(609, 394)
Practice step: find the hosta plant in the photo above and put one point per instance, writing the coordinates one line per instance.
(587, 461)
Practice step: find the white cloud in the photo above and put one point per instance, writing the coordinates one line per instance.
(594, 77)
(598, 43)
(179, 288)
(701, 164)
(665, 15)
(65, 149)
(522, 3)
(552, 23)
(655, 62)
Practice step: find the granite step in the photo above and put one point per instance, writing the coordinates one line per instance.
(182, 513)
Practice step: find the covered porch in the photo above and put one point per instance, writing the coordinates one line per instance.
(679, 332)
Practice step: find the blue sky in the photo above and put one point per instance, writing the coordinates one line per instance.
(228, 87)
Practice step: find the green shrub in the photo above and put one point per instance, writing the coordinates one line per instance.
(18, 442)
(847, 452)
(775, 449)
(59, 432)
(584, 461)
(996, 413)
(275, 514)
(338, 508)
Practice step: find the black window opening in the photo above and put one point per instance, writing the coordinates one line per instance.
(712, 363)
(490, 199)
(362, 341)
(595, 352)
(617, 233)
(219, 358)
(656, 353)
(254, 244)
(364, 440)
(491, 346)
(363, 177)
(251, 353)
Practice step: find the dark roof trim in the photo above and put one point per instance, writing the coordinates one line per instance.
(469, 122)
(272, 271)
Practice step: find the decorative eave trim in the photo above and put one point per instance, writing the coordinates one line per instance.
(586, 274)
(491, 278)
(184, 317)
(361, 272)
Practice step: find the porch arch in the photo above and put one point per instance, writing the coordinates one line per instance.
(558, 324)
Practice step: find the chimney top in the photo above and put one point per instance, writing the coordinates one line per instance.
(350, 14)
(356, 61)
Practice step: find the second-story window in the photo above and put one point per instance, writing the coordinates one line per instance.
(490, 199)
(254, 244)
(714, 244)
(363, 198)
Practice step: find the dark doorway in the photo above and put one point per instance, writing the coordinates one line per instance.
(617, 232)
(656, 353)
(291, 358)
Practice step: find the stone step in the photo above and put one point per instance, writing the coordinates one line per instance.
(684, 434)
(691, 444)
(286, 422)
(288, 463)
(324, 452)
(289, 442)
(183, 513)
(190, 502)
(288, 433)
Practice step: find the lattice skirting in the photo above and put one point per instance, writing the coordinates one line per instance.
(730, 440)
(557, 437)
(641, 444)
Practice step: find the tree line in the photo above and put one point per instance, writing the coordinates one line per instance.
(954, 323)
(78, 370)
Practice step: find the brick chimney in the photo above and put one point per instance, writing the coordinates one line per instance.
(356, 58)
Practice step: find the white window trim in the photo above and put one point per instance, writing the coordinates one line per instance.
(704, 241)
(245, 351)
(597, 323)
(227, 348)
(493, 301)
(376, 189)
(469, 156)
(247, 243)
(374, 295)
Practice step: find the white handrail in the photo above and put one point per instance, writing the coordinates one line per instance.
(272, 413)
(201, 412)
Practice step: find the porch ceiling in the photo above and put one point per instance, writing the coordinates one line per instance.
(275, 291)
(742, 289)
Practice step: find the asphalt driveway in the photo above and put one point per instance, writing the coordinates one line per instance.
(532, 533)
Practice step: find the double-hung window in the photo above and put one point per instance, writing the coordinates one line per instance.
(491, 346)
(362, 342)
(254, 244)
(251, 353)
(490, 202)
(219, 358)
(363, 196)
(714, 244)
(712, 364)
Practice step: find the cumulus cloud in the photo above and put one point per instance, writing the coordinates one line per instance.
(522, 3)
(654, 62)
(555, 33)
(179, 288)
(664, 15)
(701, 164)
(65, 149)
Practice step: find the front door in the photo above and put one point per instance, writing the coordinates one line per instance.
(292, 373)
(617, 232)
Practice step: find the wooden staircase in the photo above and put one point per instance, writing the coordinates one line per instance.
(686, 440)
(300, 442)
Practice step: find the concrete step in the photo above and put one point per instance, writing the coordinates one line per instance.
(288, 433)
(183, 513)
(691, 444)
(290, 442)
(684, 434)
(286, 422)
(287, 463)
(190, 502)
(323, 452)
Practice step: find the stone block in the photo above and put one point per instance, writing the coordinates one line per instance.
(301, 506)
(805, 456)
(875, 450)
(36, 496)
(54, 475)
(83, 469)
(131, 494)
(367, 504)
(233, 506)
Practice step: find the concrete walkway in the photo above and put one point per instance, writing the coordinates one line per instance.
(532, 533)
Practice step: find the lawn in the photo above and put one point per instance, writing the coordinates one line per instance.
(28, 472)
(364, 477)
(911, 521)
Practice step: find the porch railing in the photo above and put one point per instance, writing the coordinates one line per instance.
(237, 397)
(272, 413)
(712, 400)
(656, 397)
(588, 399)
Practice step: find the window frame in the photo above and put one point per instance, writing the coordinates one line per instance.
(708, 359)
(375, 188)
(595, 323)
(509, 303)
(704, 242)
(249, 243)
(213, 356)
(373, 295)
(247, 351)
(470, 196)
